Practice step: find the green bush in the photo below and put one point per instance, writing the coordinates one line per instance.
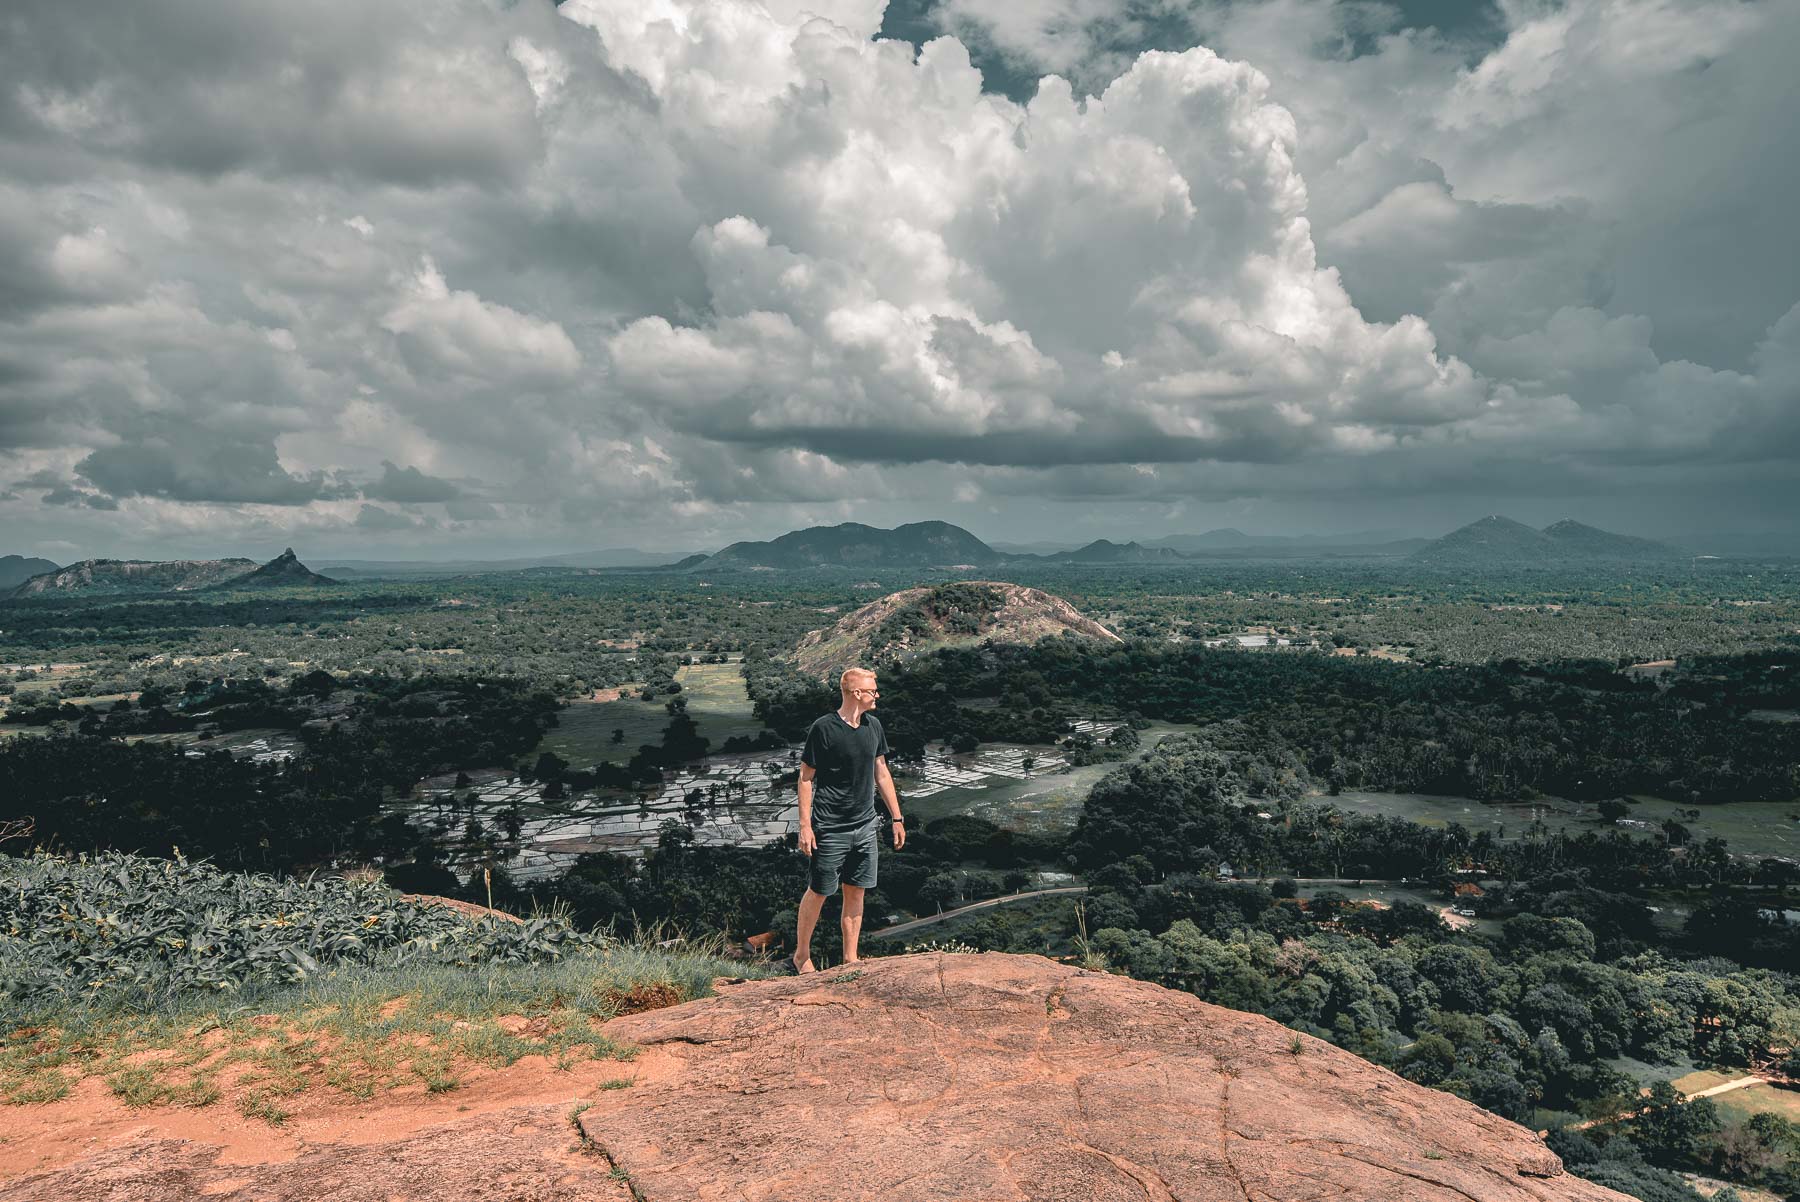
(126, 932)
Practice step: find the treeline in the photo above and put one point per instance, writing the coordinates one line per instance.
(78, 793)
(1229, 794)
(1500, 731)
(363, 738)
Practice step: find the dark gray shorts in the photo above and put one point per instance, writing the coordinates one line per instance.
(847, 856)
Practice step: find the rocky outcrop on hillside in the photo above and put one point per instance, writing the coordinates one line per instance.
(284, 571)
(923, 1078)
(915, 621)
(136, 576)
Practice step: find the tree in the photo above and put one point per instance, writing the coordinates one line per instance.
(940, 889)
(1674, 1132)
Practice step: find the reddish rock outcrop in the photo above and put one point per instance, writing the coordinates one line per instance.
(522, 1154)
(927, 1078)
(961, 1078)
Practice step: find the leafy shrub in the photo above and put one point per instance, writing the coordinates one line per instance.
(116, 931)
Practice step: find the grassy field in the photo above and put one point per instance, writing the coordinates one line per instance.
(1702, 1079)
(1759, 1099)
(1742, 1103)
(584, 731)
(717, 701)
(1760, 828)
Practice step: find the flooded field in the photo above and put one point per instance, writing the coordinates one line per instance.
(743, 800)
(727, 801)
(1755, 828)
(991, 783)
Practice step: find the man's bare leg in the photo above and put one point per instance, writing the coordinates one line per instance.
(851, 922)
(810, 905)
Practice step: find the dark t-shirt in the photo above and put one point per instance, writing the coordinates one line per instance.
(843, 759)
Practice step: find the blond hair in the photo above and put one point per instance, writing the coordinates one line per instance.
(852, 674)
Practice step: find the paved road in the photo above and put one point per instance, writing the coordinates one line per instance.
(903, 927)
(914, 924)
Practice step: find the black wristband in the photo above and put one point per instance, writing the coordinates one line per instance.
(900, 818)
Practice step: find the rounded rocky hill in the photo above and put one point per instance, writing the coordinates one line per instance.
(916, 621)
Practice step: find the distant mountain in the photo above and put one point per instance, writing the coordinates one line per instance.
(284, 571)
(852, 544)
(135, 576)
(1497, 540)
(1585, 540)
(17, 569)
(1103, 550)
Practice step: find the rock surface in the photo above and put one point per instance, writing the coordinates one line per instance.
(1024, 615)
(968, 1078)
(925, 1078)
(521, 1154)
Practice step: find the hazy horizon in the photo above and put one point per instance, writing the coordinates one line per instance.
(1747, 541)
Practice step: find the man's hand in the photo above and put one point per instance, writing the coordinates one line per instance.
(809, 842)
(899, 834)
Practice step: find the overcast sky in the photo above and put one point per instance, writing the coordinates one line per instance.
(429, 278)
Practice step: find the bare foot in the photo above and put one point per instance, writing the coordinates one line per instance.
(802, 967)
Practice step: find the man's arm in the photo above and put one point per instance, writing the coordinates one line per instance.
(809, 842)
(884, 782)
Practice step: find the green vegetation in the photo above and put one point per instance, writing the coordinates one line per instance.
(1656, 784)
(119, 932)
(180, 985)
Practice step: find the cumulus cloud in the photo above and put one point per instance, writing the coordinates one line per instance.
(715, 265)
(457, 333)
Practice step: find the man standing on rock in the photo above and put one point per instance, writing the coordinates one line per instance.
(844, 762)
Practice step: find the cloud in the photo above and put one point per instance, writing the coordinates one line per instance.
(912, 300)
(200, 465)
(715, 265)
(63, 494)
(376, 519)
(394, 94)
(410, 486)
(458, 334)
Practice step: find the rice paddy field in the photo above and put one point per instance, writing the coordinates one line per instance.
(1043, 803)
